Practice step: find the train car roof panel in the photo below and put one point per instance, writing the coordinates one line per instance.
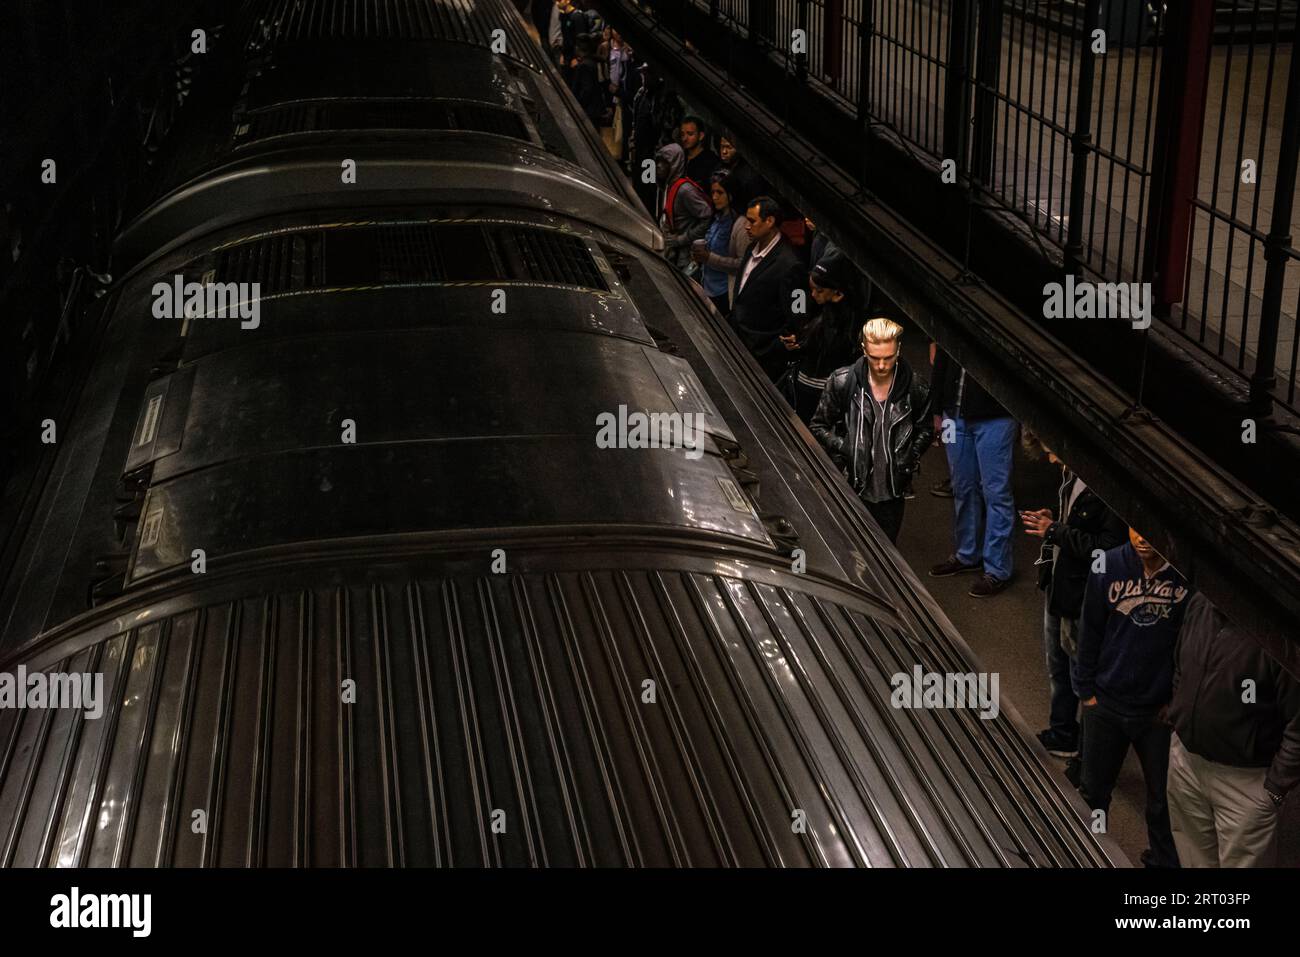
(329, 493)
(612, 717)
(345, 70)
(493, 25)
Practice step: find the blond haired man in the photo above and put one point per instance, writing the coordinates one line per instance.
(874, 421)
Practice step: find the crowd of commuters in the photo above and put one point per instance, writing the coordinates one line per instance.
(800, 307)
(1135, 658)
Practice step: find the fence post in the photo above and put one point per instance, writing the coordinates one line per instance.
(833, 40)
(956, 98)
(762, 21)
(1176, 151)
(801, 59)
(1264, 377)
(988, 69)
(865, 28)
(1081, 139)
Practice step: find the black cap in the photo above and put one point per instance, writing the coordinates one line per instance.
(831, 272)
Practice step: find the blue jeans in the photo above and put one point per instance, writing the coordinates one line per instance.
(979, 461)
(1064, 710)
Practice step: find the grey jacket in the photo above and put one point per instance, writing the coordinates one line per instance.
(691, 213)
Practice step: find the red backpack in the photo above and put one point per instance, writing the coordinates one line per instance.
(670, 198)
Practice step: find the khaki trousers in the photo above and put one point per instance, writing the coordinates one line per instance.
(1220, 815)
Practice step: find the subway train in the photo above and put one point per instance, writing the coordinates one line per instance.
(331, 568)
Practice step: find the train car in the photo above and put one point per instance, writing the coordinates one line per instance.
(353, 578)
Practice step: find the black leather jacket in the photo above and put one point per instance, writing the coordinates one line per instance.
(845, 417)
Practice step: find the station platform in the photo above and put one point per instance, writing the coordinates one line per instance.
(1006, 631)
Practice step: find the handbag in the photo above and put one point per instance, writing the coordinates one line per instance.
(787, 384)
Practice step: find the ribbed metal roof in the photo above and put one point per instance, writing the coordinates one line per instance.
(520, 700)
(271, 23)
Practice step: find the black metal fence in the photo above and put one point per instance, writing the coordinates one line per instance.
(1145, 141)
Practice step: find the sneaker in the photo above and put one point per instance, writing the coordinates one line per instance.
(1059, 745)
(1074, 772)
(942, 489)
(950, 566)
(988, 586)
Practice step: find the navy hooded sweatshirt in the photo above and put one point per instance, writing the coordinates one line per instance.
(1128, 632)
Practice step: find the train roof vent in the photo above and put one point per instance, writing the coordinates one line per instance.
(292, 118)
(554, 257)
(489, 119)
(409, 253)
(397, 253)
(378, 115)
(270, 23)
(277, 263)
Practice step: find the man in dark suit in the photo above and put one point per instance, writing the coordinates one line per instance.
(770, 272)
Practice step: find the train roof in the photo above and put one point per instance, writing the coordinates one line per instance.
(432, 645)
(520, 702)
(425, 98)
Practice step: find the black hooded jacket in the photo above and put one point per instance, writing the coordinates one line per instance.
(1089, 526)
(826, 342)
(845, 417)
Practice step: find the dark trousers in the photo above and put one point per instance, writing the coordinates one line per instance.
(1107, 735)
(888, 515)
(647, 192)
(722, 304)
(1065, 705)
(774, 362)
(541, 17)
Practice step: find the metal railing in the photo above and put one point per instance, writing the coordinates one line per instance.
(1126, 151)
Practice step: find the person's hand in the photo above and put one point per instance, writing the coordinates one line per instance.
(699, 254)
(791, 342)
(1090, 703)
(1163, 714)
(1037, 522)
